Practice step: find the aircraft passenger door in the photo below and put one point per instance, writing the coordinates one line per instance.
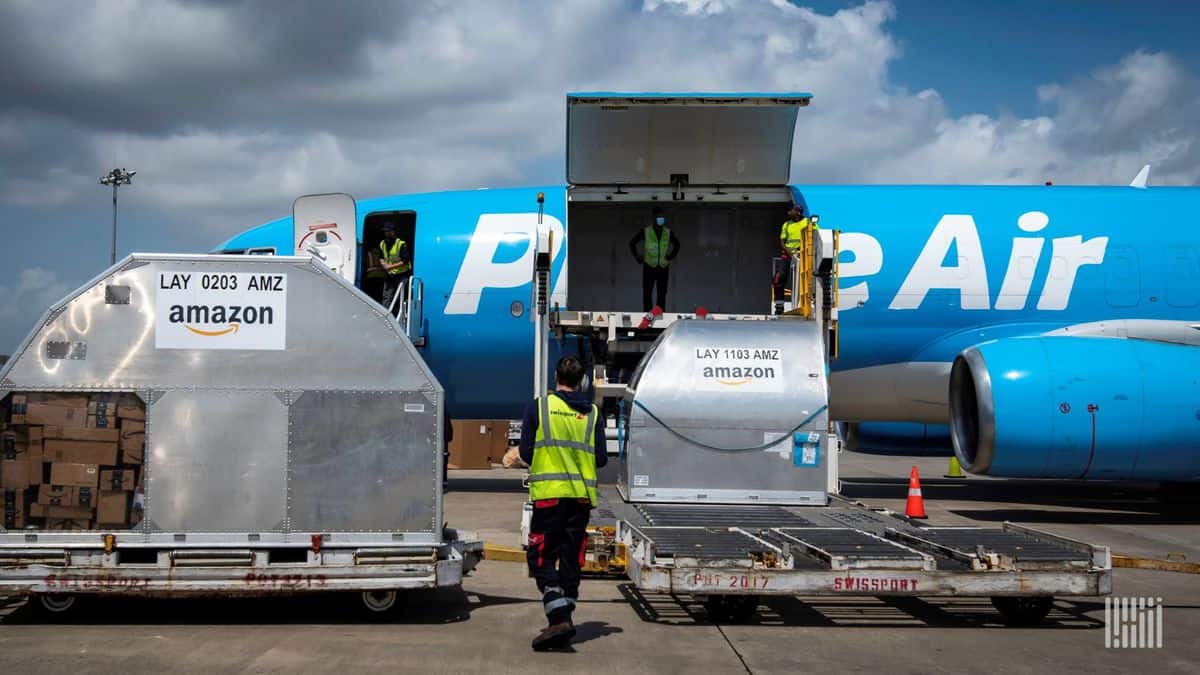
(326, 227)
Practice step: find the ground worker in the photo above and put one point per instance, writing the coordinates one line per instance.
(659, 248)
(563, 442)
(396, 262)
(791, 241)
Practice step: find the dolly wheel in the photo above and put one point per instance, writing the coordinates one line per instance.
(731, 608)
(53, 605)
(380, 604)
(1023, 611)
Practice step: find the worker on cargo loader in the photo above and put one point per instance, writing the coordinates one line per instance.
(396, 262)
(791, 240)
(659, 248)
(563, 442)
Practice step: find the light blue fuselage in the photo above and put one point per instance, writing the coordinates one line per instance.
(926, 271)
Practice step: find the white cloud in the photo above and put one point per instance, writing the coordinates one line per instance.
(35, 290)
(468, 94)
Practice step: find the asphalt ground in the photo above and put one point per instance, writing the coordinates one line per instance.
(486, 625)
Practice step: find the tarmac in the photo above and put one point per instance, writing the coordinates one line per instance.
(486, 626)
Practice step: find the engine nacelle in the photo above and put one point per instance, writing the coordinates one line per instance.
(1077, 407)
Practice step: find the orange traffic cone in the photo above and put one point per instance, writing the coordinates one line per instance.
(915, 507)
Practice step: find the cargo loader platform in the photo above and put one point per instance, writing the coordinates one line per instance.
(727, 480)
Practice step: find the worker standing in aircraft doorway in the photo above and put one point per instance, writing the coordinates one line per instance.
(563, 442)
(659, 248)
(791, 241)
(397, 263)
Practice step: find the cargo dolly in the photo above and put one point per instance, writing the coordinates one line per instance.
(727, 485)
(280, 458)
(732, 556)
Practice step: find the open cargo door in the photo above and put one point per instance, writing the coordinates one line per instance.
(326, 227)
(681, 139)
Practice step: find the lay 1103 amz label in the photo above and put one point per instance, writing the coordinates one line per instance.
(221, 310)
(726, 368)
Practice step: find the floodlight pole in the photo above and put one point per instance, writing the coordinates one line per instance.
(116, 178)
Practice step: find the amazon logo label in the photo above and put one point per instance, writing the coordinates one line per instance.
(232, 317)
(756, 369)
(236, 310)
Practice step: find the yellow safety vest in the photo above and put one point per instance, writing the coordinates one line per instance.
(564, 458)
(393, 256)
(793, 233)
(656, 247)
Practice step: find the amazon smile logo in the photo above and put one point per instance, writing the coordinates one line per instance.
(736, 376)
(218, 320)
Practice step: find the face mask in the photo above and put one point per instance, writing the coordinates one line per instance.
(660, 221)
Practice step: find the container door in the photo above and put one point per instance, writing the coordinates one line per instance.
(681, 139)
(326, 227)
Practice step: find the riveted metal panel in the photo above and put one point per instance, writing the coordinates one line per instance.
(217, 461)
(364, 461)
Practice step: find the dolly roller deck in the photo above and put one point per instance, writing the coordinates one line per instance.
(844, 549)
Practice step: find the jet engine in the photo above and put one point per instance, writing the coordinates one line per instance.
(1077, 407)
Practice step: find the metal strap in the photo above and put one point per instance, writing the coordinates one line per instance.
(540, 477)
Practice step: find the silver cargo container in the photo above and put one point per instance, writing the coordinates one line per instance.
(293, 434)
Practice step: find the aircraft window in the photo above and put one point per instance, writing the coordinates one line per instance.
(1026, 266)
(262, 250)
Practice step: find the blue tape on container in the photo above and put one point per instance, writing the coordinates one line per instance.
(806, 449)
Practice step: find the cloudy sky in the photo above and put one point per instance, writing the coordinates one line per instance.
(230, 110)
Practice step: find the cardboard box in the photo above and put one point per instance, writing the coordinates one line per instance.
(81, 452)
(36, 434)
(68, 524)
(66, 495)
(14, 474)
(132, 453)
(12, 509)
(52, 511)
(478, 443)
(80, 434)
(101, 422)
(60, 399)
(130, 407)
(17, 408)
(133, 441)
(116, 480)
(73, 473)
(112, 509)
(50, 414)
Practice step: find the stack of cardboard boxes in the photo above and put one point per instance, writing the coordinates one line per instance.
(478, 444)
(71, 461)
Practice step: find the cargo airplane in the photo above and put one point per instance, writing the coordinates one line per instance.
(1053, 328)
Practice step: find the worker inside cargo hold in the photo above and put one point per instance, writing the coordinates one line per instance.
(659, 246)
(397, 264)
(563, 442)
(792, 237)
